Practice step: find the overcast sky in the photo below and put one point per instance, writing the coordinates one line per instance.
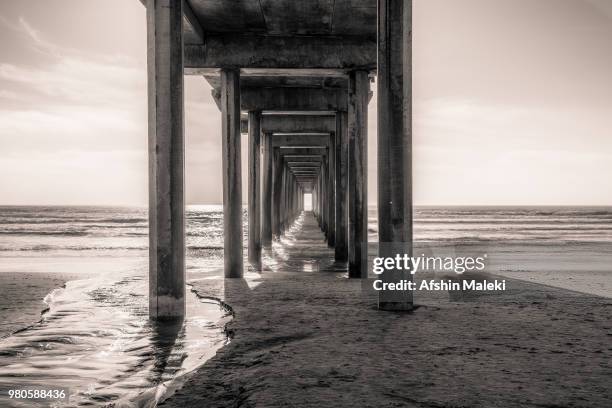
(512, 104)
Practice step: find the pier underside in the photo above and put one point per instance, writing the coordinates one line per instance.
(296, 77)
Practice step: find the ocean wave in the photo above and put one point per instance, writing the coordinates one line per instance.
(50, 233)
(204, 247)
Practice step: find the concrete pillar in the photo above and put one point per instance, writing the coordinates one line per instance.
(331, 191)
(254, 189)
(166, 159)
(232, 183)
(341, 141)
(283, 201)
(276, 194)
(359, 87)
(395, 143)
(325, 200)
(266, 219)
(322, 199)
(315, 200)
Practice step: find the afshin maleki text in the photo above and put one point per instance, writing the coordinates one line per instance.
(459, 265)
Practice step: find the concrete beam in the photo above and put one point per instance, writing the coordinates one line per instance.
(194, 33)
(291, 99)
(290, 152)
(303, 158)
(231, 50)
(307, 163)
(296, 123)
(192, 30)
(308, 140)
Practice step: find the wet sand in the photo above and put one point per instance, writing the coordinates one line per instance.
(304, 336)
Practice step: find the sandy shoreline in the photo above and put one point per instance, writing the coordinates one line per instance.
(315, 339)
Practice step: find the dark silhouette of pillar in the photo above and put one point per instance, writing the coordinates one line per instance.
(254, 122)
(359, 88)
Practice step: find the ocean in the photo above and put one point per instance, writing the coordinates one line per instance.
(94, 337)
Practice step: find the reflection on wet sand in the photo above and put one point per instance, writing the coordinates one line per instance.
(97, 341)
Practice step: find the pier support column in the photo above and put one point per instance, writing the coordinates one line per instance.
(276, 194)
(395, 143)
(266, 221)
(359, 87)
(325, 198)
(341, 141)
(166, 159)
(232, 183)
(331, 184)
(254, 122)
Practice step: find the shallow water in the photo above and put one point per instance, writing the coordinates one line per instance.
(97, 341)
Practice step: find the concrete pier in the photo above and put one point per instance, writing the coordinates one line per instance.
(232, 179)
(341, 162)
(299, 84)
(277, 193)
(359, 88)
(395, 143)
(254, 189)
(266, 217)
(166, 159)
(331, 190)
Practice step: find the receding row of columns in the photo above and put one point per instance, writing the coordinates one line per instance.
(338, 182)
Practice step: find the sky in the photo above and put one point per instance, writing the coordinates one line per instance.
(512, 105)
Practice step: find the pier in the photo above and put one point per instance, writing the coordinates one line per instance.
(296, 77)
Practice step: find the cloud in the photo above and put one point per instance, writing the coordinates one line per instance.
(76, 121)
(81, 118)
(74, 101)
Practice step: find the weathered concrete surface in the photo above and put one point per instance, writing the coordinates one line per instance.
(232, 184)
(394, 82)
(300, 140)
(305, 336)
(359, 89)
(341, 251)
(254, 188)
(293, 99)
(331, 191)
(293, 124)
(236, 50)
(166, 159)
(289, 17)
(277, 178)
(266, 218)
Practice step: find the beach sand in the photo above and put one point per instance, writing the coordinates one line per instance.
(312, 338)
